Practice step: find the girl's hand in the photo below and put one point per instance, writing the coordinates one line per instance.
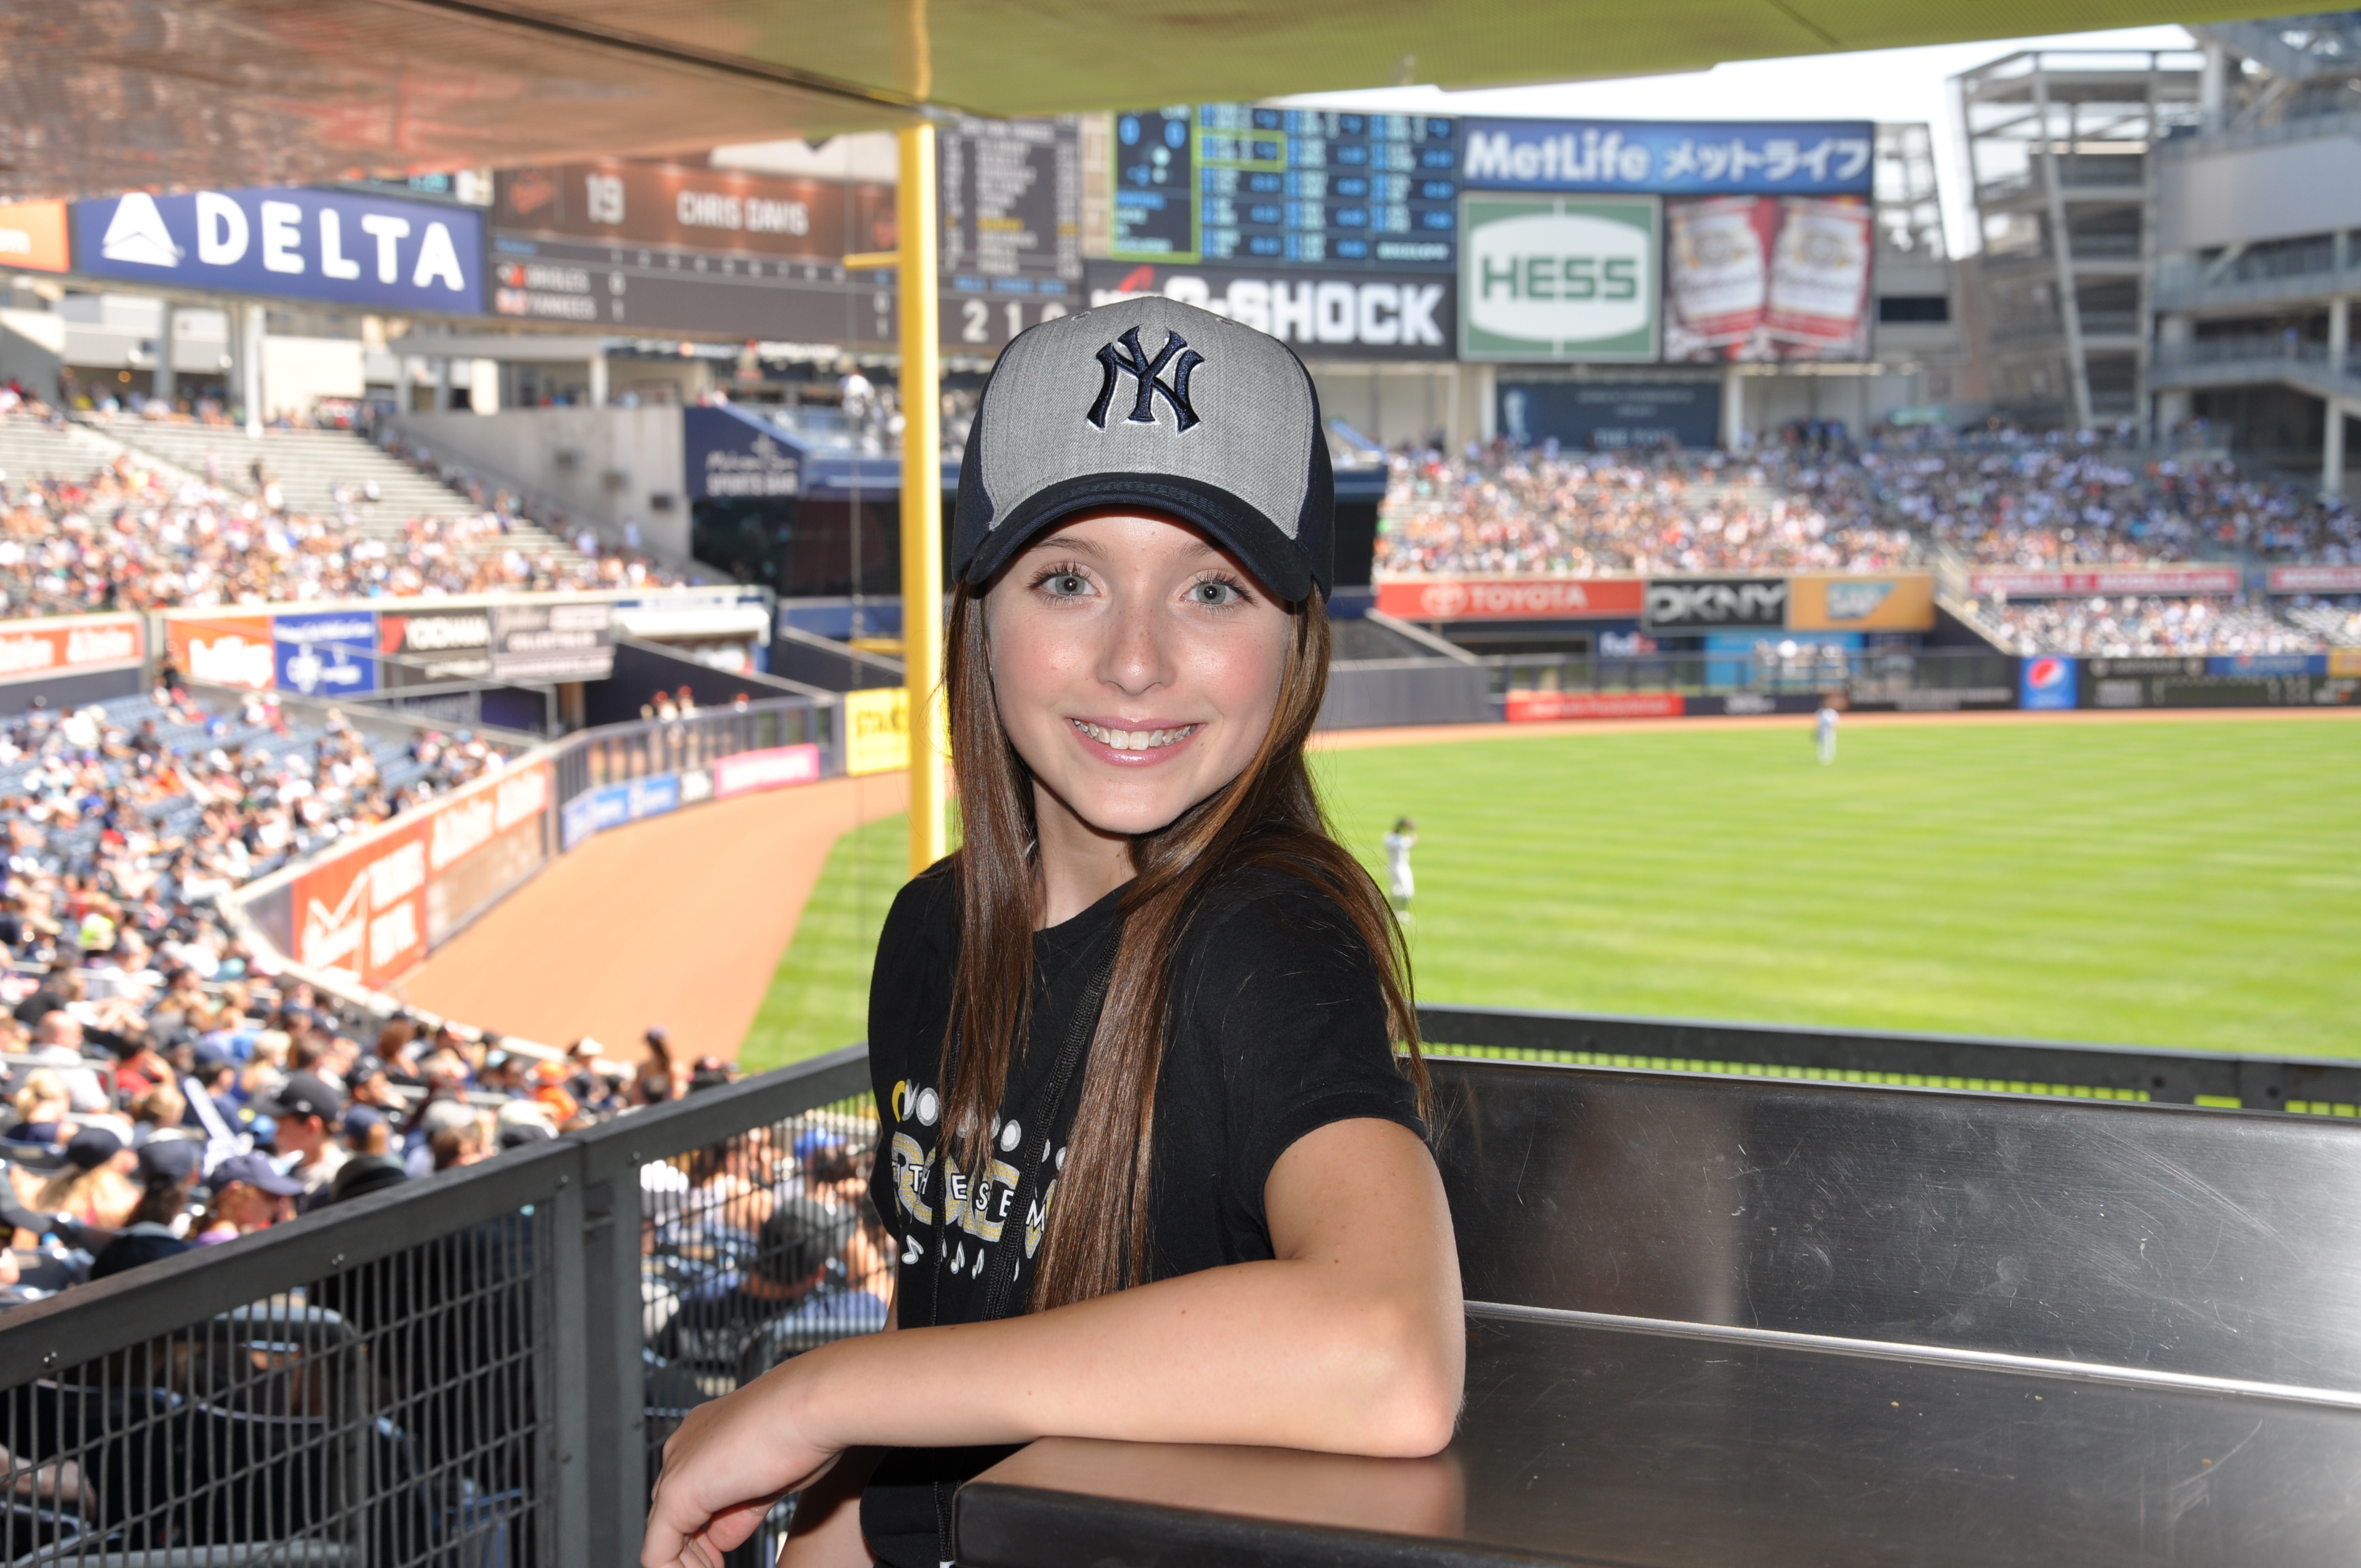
(725, 1466)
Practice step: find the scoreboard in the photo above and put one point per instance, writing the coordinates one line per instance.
(1245, 185)
(1012, 255)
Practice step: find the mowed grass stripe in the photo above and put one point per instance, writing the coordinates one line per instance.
(2191, 884)
(2183, 884)
(818, 998)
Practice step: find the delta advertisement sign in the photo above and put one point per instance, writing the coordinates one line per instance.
(69, 645)
(339, 246)
(1891, 601)
(374, 909)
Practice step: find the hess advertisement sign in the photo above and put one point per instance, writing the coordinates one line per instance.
(335, 246)
(1562, 279)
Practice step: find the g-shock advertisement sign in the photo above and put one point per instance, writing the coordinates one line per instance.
(1349, 315)
(1558, 279)
(333, 245)
(1708, 603)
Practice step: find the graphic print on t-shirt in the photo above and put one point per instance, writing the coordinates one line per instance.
(979, 1209)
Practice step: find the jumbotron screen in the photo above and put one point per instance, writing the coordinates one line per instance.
(1250, 185)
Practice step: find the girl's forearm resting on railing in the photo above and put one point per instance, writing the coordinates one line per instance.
(1349, 1341)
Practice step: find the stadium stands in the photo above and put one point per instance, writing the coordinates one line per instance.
(2111, 628)
(1998, 500)
(85, 526)
(1530, 514)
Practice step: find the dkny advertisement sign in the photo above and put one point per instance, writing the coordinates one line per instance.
(1708, 603)
(1358, 316)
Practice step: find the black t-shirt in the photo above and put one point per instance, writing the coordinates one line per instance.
(1277, 1028)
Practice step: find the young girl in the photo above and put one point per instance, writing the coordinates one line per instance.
(1154, 1167)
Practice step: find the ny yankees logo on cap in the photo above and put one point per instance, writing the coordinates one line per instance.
(1254, 479)
(1133, 362)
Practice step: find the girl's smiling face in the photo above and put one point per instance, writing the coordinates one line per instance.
(1136, 667)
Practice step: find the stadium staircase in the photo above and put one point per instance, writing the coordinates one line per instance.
(34, 449)
(311, 465)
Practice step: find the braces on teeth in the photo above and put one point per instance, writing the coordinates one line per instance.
(1133, 740)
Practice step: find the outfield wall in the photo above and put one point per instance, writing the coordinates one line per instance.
(356, 918)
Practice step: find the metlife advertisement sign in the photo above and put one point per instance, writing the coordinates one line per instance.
(1669, 159)
(1347, 315)
(338, 247)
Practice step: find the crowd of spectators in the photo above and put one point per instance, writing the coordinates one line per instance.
(2129, 626)
(172, 1090)
(2007, 499)
(1813, 501)
(1999, 497)
(123, 538)
(1530, 512)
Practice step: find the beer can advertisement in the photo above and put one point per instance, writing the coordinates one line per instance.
(1758, 278)
(1566, 279)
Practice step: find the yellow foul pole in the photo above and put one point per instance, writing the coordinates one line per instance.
(922, 505)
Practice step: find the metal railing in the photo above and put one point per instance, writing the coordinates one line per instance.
(479, 1369)
(475, 1369)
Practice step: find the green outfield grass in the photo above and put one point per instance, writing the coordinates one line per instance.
(2193, 884)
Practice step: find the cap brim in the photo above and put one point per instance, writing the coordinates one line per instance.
(1238, 528)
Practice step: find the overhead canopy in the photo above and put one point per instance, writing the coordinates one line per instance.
(118, 94)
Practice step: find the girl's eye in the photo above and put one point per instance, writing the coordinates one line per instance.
(1066, 585)
(1213, 592)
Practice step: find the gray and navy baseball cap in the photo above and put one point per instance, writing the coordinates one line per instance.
(1152, 403)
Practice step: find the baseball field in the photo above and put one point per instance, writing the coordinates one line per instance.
(2189, 884)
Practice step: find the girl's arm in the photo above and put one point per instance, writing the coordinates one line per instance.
(1350, 1340)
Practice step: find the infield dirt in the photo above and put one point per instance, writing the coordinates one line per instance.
(678, 921)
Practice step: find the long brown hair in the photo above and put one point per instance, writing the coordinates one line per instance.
(1268, 817)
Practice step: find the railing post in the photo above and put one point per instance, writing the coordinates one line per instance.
(574, 1438)
(613, 1377)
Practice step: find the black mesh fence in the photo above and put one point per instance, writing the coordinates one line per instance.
(474, 1371)
(755, 1247)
